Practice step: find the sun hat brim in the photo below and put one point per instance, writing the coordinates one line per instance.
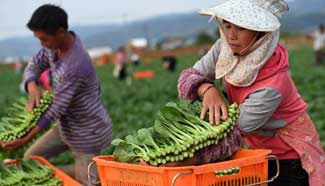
(246, 14)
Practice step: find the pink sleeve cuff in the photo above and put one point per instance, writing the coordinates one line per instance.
(189, 82)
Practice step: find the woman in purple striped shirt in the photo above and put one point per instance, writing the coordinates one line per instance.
(84, 126)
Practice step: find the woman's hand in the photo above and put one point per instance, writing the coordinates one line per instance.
(34, 96)
(213, 102)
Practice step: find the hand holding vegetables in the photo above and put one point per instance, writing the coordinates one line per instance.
(19, 126)
(12, 145)
(17, 143)
(34, 96)
(213, 103)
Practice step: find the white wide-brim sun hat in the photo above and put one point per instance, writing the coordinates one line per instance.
(257, 15)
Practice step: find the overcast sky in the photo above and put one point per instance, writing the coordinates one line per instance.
(14, 14)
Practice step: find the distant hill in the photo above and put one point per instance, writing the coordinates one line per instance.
(153, 29)
(302, 23)
(303, 16)
(301, 7)
(28, 45)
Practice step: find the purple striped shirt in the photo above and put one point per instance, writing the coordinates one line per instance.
(84, 123)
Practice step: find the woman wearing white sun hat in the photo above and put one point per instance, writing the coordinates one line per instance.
(254, 69)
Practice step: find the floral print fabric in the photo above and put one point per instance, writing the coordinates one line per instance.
(302, 136)
(242, 70)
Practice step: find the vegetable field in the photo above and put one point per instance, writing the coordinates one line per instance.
(133, 104)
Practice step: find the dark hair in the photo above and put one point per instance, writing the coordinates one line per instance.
(260, 35)
(121, 49)
(48, 18)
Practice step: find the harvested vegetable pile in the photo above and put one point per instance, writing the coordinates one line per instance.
(27, 173)
(18, 121)
(229, 171)
(178, 133)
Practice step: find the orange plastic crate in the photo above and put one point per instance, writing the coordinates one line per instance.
(146, 74)
(253, 166)
(66, 180)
